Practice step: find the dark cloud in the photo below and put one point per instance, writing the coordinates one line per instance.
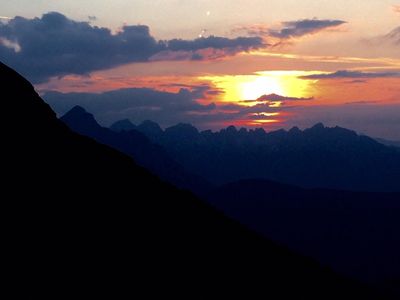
(205, 87)
(135, 103)
(357, 81)
(361, 102)
(54, 45)
(300, 28)
(275, 98)
(139, 104)
(291, 29)
(351, 74)
(214, 42)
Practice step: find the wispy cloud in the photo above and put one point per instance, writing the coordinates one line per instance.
(294, 29)
(351, 74)
(394, 36)
(275, 98)
(361, 102)
(356, 81)
(290, 30)
(396, 8)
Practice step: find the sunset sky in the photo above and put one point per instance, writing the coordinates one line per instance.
(254, 63)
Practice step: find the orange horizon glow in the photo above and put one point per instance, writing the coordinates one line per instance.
(236, 89)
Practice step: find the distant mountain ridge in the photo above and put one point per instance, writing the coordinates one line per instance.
(318, 157)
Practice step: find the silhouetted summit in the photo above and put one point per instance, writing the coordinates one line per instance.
(84, 220)
(151, 129)
(123, 125)
(319, 156)
(181, 132)
(79, 118)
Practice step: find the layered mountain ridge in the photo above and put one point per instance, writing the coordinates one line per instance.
(318, 157)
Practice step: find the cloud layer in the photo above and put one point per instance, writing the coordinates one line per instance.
(167, 108)
(54, 45)
(135, 103)
(172, 108)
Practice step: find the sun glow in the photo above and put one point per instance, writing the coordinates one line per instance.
(250, 87)
(263, 85)
(247, 90)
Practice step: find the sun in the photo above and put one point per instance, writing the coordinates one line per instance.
(238, 88)
(262, 85)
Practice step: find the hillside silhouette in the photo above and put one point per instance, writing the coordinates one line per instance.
(83, 220)
(318, 157)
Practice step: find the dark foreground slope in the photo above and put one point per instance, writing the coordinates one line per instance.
(85, 221)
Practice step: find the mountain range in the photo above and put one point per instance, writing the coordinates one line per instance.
(356, 233)
(318, 157)
(83, 220)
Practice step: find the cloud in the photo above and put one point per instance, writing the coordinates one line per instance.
(214, 42)
(134, 103)
(394, 36)
(356, 81)
(208, 48)
(396, 8)
(351, 74)
(294, 29)
(361, 102)
(291, 29)
(200, 87)
(166, 108)
(55, 45)
(275, 98)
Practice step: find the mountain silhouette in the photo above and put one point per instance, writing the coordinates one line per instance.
(318, 157)
(133, 143)
(123, 125)
(356, 233)
(388, 142)
(84, 220)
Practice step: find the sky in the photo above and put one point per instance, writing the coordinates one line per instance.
(254, 63)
